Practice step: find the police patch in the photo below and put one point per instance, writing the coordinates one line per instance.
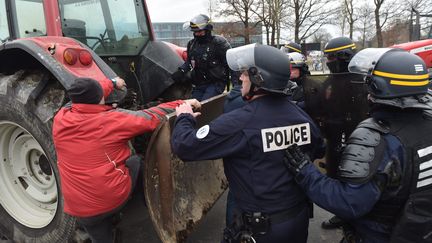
(278, 138)
(203, 132)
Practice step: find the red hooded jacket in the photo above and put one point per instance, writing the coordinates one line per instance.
(91, 142)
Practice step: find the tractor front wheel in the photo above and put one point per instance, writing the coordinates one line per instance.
(31, 204)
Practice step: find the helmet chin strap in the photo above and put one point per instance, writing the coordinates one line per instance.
(250, 93)
(253, 92)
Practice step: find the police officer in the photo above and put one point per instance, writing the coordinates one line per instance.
(384, 184)
(206, 60)
(270, 207)
(339, 52)
(299, 70)
(291, 47)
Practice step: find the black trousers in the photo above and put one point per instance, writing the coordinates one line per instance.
(100, 227)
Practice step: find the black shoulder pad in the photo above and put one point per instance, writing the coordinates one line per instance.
(373, 124)
(355, 162)
(361, 156)
(365, 136)
(221, 41)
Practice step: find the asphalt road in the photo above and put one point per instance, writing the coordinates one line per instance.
(136, 225)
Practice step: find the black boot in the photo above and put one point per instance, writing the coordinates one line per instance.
(333, 223)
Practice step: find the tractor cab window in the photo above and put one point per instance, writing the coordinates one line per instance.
(4, 31)
(30, 18)
(109, 27)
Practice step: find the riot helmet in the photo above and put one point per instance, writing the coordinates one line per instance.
(394, 77)
(268, 68)
(199, 22)
(339, 52)
(292, 47)
(298, 61)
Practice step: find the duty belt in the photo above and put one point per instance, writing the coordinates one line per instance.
(248, 226)
(279, 217)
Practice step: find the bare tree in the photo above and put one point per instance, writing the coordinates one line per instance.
(309, 15)
(243, 10)
(350, 17)
(342, 17)
(278, 9)
(264, 14)
(211, 8)
(321, 36)
(378, 26)
(272, 14)
(364, 22)
(385, 11)
(419, 14)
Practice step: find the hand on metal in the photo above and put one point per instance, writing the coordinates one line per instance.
(196, 105)
(295, 159)
(186, 108)
(120, 83)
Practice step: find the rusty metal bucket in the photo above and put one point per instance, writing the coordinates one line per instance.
(178, 193)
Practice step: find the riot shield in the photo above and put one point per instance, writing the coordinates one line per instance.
(337, 103)
(179, 193)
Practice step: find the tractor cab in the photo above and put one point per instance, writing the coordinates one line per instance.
(110, 28)
(119, 32)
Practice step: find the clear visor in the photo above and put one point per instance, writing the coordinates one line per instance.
(366, 59)
(186, 26)
(296, 58)
(241, 58)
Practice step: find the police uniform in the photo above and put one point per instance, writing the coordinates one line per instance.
(206, 60)
(298, 61)
(251, 140)
(384, 181)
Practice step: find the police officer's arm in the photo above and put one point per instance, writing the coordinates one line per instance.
(347, 200)
(343, 199)
(179, 75)
(222, 137)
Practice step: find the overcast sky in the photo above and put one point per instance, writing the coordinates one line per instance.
(175, 10)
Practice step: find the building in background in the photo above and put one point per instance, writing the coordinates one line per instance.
(173, 32)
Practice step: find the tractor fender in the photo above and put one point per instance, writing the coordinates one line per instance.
(48, 52)
(63, 73)
(41, 56)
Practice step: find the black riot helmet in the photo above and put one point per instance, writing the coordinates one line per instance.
(292, 47)
(339, 51)
(267, 66)
(394, 77)
(200, 22)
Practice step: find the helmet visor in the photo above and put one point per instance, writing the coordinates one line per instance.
(366, 59)
(296, 59)
(241, 58)
(186, 26)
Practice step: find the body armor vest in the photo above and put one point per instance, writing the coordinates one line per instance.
(405, 204)
(207, 62)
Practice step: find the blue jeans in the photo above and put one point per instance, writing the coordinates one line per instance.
(206, 91)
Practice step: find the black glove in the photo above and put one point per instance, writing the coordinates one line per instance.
(295, 159)
(178, 76)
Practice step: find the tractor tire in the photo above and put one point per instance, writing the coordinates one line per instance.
(31, 202)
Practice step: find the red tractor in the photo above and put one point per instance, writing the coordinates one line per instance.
(44, 46)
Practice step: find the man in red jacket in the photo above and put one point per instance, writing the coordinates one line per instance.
(97, 170)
